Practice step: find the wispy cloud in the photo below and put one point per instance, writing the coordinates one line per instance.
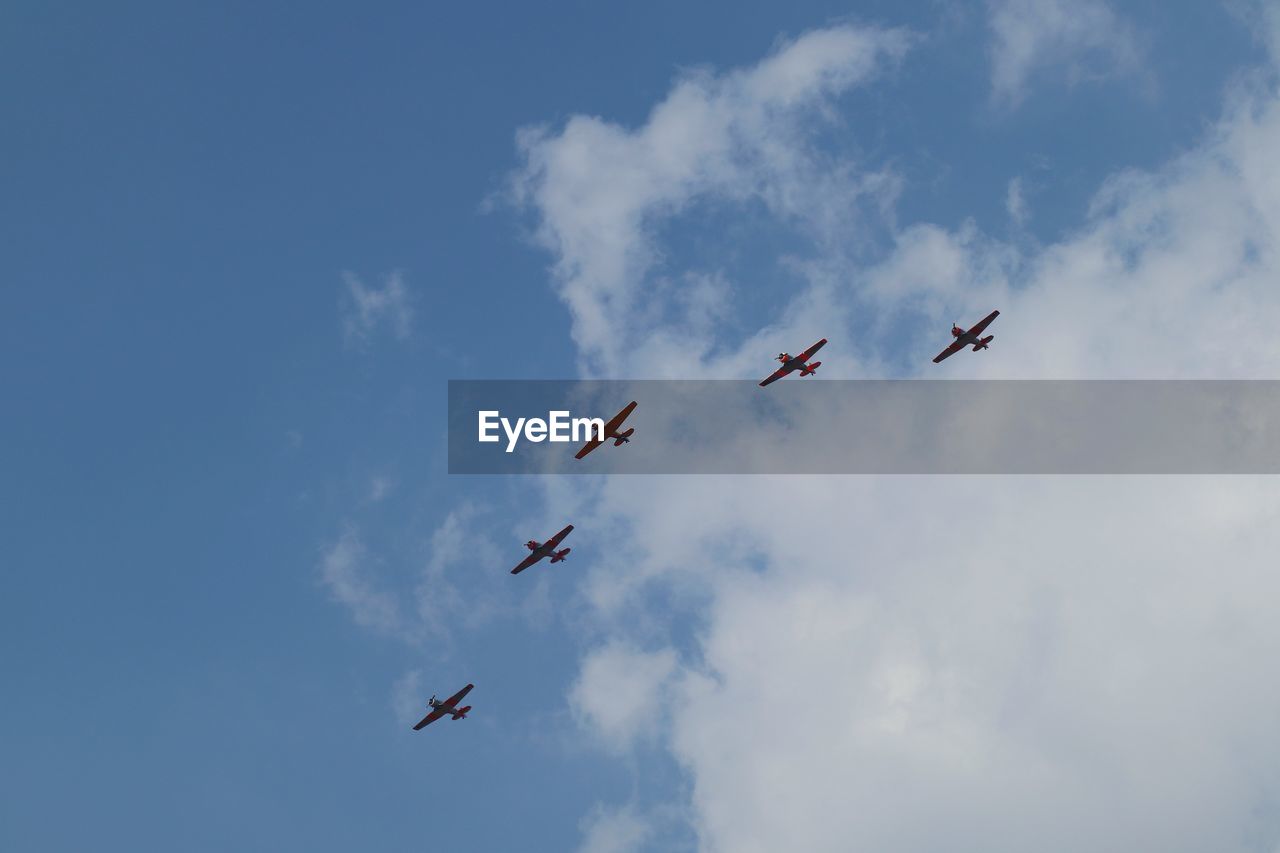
(1085, 39)
(621, 830)
(379, 487)
(424, 597)
(1015, 203)
(367, 309)
(345, 570)
(408, 702)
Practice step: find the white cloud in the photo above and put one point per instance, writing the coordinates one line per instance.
(437, 595)
(614, 831)
(993, 664)
(1015, 203)
(1170, 276)
(379, 488)
(621, 691)
(1084, 36)
(368, 309)
(971, 663)
(597, 188)
(344, 569)
(425, 594)
(408, 702)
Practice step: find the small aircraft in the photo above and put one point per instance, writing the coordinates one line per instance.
(790, 363)
(611, 432)
(448, 706)
(965, 338)
(544, 549)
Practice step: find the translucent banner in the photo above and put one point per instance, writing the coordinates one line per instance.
(812, 426)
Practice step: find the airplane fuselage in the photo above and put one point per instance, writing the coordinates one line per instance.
(794, 364)
(437, 705)
(968, 339)
(543, 550)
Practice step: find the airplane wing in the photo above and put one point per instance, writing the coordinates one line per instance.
(436, 713)
(986, 321)
(452, 701)
(555, 540)
(612, 426)
(526, 563)
(775, 376)
(949, 351)
(588, 447)
(609, 428)
(808, 354)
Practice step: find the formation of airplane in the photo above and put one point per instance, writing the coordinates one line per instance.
(791, 364)
(448, 706)
(613, 432)
(544, 549)
(964, 338)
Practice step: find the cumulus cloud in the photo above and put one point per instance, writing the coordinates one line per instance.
(620, 691)
(1085, 37)
(368, 309)
(971, 663)
(1189, 247)
(598, 188)
(990, 663)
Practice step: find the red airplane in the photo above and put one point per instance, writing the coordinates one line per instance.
(611, 432)
(797, 363)
(544, 549)
(448, 706)
(965, 338)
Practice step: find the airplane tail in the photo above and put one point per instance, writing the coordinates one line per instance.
(461, 713)
(983, 343)
(623, 437)
(558, 556)
(810, 368)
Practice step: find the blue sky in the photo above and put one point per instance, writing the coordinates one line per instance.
(232, 556)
